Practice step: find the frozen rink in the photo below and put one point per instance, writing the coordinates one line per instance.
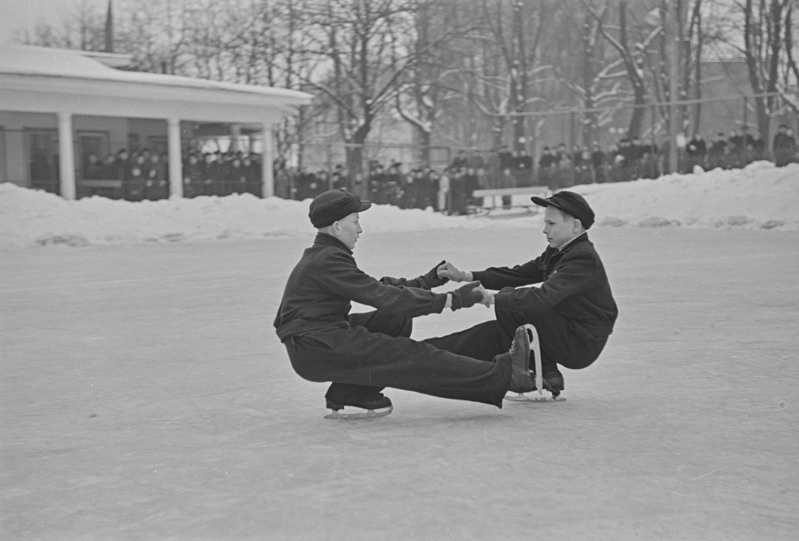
(146, 396)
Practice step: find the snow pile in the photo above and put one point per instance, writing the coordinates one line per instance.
(759, 196)
(30, 217)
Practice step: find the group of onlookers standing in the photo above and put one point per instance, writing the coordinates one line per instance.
(738, 149)
(218, 173)
(417, 188)
(450, 189)
(144, 175)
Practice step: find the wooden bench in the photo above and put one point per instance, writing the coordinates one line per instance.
(492, 199)
(105, 188)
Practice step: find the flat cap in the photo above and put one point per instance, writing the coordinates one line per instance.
(333, 205)
(571, 203)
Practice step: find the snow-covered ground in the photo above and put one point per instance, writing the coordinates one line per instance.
(758, 197)
(144, 395)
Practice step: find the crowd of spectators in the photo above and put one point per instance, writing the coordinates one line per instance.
(389, 185)
(218, 173)
(739, 149)
(145, 174)
(450, 189)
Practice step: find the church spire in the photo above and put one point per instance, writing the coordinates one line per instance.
(109, 29)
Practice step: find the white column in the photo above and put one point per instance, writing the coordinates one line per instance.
(235, 135)
(266, 161)
(66, 156)
(175, 158)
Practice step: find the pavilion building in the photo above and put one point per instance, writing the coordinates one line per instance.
(57, 107)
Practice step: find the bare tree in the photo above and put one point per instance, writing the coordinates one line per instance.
(424, 88)
(766, 52)
(517, 31)
(633, 56)
(155, 35)
(364, 59)
(595, 79)
(83, 28)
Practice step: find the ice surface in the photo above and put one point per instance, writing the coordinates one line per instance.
(144, 394)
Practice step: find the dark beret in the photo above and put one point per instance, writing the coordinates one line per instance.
(333, 205)
(571, 203)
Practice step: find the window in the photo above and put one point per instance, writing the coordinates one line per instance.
(134, 143)
(42, 152)
(93, 149)
(157, 144)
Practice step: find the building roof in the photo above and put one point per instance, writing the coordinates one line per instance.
(68, 72)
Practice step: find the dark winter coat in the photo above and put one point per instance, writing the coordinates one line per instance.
(573, 284)
(784, 148)
(321, 288)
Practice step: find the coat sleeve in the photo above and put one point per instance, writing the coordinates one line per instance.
(576, 273)
(343, 277)
(402, 282)
(520, 275)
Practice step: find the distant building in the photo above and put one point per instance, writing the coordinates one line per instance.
(57, 107)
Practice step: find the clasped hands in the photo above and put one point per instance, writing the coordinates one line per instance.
(449, 271)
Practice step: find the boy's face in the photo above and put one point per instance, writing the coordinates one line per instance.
(558, 227)
(349, 229)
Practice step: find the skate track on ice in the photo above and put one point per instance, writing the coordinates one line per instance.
(145, 396)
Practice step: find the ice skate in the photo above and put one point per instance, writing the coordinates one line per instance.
(548, 390)
(368, 408)
(521, 380)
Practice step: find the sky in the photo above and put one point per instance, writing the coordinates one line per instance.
(759, 196)
(24, 14)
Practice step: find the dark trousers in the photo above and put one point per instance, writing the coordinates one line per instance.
(373, 351)
(559, 343)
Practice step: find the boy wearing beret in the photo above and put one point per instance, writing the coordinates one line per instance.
(573, 310)
(363, 353)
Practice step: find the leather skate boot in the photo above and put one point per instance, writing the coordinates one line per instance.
(553, 379)
(521, 380)
(377, 401)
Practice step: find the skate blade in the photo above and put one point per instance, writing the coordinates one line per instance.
(369, 414)
(534, 397)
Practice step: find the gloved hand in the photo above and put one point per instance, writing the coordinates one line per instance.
(451, 272)
(468, 295)
(432, 279)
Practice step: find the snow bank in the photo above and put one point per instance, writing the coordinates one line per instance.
(759, 196)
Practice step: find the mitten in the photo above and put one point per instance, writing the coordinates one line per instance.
(466, 296)
(431, 279)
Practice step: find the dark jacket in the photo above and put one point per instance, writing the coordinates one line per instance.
(573, 284)
(320, 290)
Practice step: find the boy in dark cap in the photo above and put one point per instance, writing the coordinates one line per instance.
(363, 353)
(573, 310)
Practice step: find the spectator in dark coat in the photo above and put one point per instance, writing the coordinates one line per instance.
(598, 163)
(134, 185)
(122, 166)
(93, 170)
(156, 186)
(784, 146)
(255, 177)
(695, 152)
(192, 176)
(237, 176)
(717, 153)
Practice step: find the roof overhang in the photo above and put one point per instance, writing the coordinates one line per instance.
(55, 80)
